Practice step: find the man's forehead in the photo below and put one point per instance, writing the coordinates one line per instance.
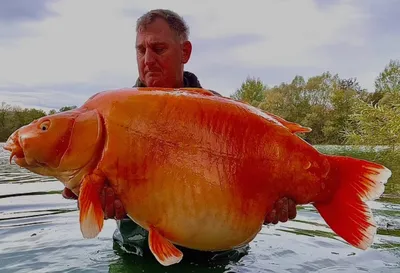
(157, 31)
(152, 41)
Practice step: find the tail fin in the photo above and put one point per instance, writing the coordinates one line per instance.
(346, 213)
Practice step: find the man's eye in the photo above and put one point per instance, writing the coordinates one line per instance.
(159, 50)
(141, 50)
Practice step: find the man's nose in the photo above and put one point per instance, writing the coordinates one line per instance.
(149, 57)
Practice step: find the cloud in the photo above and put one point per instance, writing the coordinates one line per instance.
(61, 52)
(53, 96)
(291, 30)
(21, 10)
(381, 40)
(17, 15)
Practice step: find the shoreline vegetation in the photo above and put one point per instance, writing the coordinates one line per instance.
(345, 118)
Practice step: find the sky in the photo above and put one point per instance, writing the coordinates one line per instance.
(55, 53)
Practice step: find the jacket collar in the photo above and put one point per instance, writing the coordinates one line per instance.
(189, 80)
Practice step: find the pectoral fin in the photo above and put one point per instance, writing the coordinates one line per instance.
(164, 251)
(91, 216)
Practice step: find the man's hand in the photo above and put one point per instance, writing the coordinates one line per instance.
(68, 194)
(112, 207)
(284, 210)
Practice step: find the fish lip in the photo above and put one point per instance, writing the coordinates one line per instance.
(15, 148)
(8, 145)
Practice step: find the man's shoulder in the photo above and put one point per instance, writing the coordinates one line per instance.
(191, 80)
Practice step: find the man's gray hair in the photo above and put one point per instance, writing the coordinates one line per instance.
(174, 20)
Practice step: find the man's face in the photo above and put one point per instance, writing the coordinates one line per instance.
(160, 55)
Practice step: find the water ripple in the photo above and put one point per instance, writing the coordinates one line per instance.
(39, 232)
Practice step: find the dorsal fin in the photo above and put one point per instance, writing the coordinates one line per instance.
(292, 126)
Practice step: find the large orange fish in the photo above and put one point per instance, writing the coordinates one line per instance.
(194, 169)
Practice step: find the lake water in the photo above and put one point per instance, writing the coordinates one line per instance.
(39, 232)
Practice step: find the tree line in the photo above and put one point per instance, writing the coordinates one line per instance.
(13, 117)
(338, 110)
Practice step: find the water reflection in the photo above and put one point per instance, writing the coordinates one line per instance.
(39, 232)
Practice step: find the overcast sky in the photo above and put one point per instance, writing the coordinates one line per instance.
(55, 53)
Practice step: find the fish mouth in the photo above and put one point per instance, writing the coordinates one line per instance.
(12, 145)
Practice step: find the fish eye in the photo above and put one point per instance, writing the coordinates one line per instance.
(44, 126)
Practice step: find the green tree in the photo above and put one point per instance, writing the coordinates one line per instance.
(323, 103)
(379, 123)
(376, 124)
(12, 118)
(389, 79)
(67, 108)
(252, 91)
(5, 121)
(287, 100)
(305, 102)
(342, 100)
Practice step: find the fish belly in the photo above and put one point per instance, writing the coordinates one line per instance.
(196, 197)
(196, 210)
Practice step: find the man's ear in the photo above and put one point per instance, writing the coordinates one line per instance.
(186, 51)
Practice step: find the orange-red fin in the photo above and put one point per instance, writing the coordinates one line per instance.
(293, 127)
(347, 213)
(296, 128)
(164, 251)
(91, 215)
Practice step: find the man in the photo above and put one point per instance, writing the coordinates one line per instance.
(163, 48)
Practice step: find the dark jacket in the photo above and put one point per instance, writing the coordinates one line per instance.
(189, 80)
